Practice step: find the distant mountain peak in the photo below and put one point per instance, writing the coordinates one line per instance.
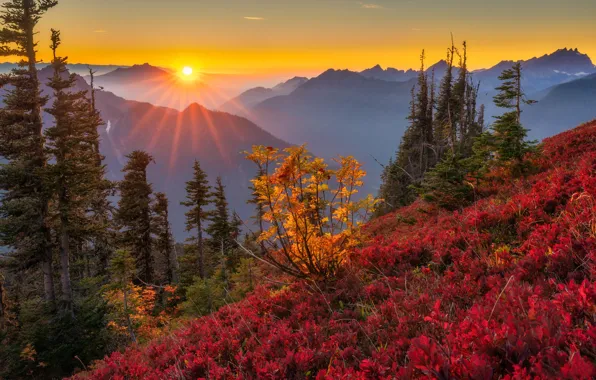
(338, 74)
(290, 84)
(194, 107)
(568, 61)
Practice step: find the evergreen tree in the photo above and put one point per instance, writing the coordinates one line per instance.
(73, 175)
(198, 195)
(164, 241)
(458, 102)
(446, 184)
(222, 228)
(24, 208)
(100, 208)
(416, 153)
(444, 131)
(421, 124)
(134, 213)
(508, 134)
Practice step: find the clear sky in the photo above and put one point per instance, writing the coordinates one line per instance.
(253, 36)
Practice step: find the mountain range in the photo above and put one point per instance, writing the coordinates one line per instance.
(242, 104)
(77, 68)
(345, 112)
(338, 112)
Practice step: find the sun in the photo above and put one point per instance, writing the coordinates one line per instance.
(187, 71)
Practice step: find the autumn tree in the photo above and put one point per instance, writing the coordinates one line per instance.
(312, 211)
(164, 241)
(258, 215)
(134, 213)
(122, 270)
(24, 207)
(198, 197)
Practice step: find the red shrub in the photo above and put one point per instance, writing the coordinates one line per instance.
(505, 289)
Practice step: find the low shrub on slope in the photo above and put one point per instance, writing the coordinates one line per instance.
(505, 289)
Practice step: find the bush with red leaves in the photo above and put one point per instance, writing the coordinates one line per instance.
(505, 289)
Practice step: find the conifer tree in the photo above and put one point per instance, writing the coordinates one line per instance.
(164, 241)
(24, 208)
(509, 136)
(444, 132)
(259, 211)
(73, 175)
(100, 208)
(221, 228)
(416, 153)
(421, 123)
(134, 213)
(459, 93)
(198, 195)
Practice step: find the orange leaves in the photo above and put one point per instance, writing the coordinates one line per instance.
(142, 308)
(311, 210)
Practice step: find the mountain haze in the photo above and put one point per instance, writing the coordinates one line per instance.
(242, 104)
(175, 139)
(160, 87)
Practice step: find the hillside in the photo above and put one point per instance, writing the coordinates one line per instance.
(504, 289)
(563, 106)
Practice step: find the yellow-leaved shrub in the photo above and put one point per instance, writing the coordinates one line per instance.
(312, 213)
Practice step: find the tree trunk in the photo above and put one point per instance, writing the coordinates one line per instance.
(519, 93)
(128, 321)
(175, 273)
(168, 249)
(147, 270)
(2, 307)
(223, 265)
(65, 268)
(200, 246)
(48, 275)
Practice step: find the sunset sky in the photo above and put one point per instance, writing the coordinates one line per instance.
(304, 36)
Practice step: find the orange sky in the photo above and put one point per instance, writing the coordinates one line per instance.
(278, 36)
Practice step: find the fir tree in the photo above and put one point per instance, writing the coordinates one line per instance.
(198, 195)
(416, 153)
(446, 184)
(421, 124)
(73, 175)
(222, 228)
(509, 136)
(24, 208)
(100, 208)
(444, 131)
(134, 213)
(164, 241)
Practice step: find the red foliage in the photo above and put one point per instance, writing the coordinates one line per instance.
(505, 289)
